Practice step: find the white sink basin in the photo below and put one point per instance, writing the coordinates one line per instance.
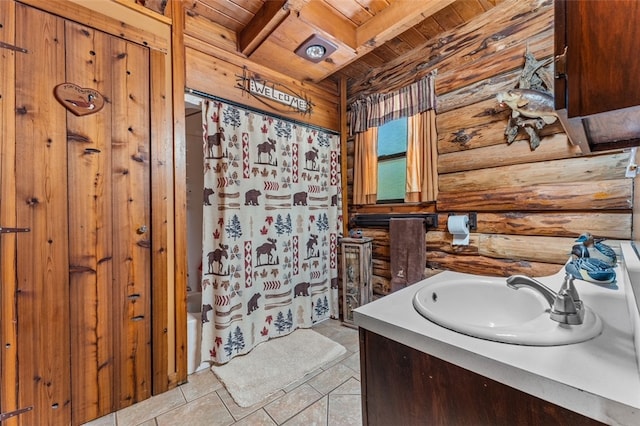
(486, 308)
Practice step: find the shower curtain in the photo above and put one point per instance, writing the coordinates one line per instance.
(271, 222)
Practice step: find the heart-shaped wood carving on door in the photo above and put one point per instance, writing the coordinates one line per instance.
(79, 100)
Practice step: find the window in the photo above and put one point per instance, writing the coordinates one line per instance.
(392, 161)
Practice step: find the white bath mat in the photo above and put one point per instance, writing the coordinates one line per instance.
(275, 364)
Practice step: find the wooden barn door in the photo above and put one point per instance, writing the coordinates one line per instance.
(81, 335)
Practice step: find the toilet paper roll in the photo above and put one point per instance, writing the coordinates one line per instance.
(459, 227)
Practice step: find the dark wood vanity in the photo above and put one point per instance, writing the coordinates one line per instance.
(403, 386)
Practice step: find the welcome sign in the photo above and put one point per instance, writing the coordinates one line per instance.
(270, 93)
(260, 89)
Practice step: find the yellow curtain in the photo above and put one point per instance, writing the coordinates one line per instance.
(365, 170)
(422, 158)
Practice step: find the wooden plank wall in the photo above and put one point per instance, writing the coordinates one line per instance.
(531, 205)
(210, 69)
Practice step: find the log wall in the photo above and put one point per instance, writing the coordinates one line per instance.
(531, 205)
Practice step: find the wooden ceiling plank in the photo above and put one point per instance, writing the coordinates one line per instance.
(449, 17)
(470, 9)
(231, 9)
(250, 6)
(217, 12)
(374, 6)
(325, 19)
(394, 20)
(389, 51)
(430, 28)
(353, 11)
(413, 37)
(399, 46)
(264, 22)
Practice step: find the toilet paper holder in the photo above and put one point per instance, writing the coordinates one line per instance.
(473, 220)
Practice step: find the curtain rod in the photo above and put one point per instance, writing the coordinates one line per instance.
(256, 110)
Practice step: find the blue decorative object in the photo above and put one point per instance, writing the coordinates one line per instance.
(590, 247)
(590, 269)
(355, 233)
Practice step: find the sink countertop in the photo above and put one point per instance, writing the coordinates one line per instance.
(598, 378)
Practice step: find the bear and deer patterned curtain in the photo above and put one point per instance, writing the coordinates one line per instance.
(271, 222)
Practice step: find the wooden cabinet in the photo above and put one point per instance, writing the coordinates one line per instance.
(403, 386)
(356, 275)
(597, 94)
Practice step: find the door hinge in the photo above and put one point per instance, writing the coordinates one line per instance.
(4, 45)
(8, 415)
(561, 64)
(11, 230)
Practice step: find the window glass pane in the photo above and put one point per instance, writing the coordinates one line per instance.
(392, 175)
(392, 137)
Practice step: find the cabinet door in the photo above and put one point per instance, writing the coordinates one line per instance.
(603, 43)
(404, 386)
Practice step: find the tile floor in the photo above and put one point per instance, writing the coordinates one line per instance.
(329, 396)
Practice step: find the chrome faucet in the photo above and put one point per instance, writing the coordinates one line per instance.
(566, 306)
